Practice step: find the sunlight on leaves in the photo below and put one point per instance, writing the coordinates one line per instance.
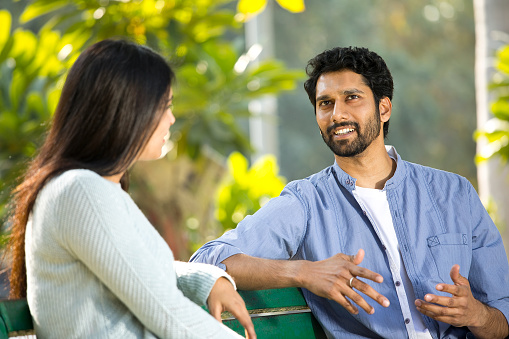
(294, 6)
(245, 190)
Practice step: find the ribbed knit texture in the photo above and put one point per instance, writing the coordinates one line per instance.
(96, 268)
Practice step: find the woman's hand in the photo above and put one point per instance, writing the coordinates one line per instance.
(223, 297)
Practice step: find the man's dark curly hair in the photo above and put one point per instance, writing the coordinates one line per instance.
(371, 66)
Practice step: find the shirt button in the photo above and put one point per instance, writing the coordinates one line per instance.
(398, 283)
(383, 247)
(364, 212)
(407, 321)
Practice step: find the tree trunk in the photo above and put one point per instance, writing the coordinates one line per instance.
(492, 29)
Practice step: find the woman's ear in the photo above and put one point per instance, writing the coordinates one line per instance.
(385, 108)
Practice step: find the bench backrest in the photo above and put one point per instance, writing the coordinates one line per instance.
(277, 313)
(15, 318)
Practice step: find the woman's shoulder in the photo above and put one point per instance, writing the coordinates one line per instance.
(76, 185)
(80, 179)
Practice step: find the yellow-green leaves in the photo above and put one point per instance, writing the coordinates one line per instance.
(5, 27)
(294, 6)
(503, 60)
(41, 7)
(495, 133)
(246, 189)
(250, 8)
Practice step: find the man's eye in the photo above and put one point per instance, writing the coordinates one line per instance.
(353, 96)
(324, 103)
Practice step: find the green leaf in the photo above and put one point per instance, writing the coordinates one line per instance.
(41, 7)
(500, 109)
(5, 27)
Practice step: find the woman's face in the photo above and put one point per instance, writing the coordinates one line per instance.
(153, 149)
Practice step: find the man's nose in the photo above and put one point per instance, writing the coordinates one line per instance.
(340, 112)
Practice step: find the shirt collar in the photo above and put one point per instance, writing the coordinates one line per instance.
(348, 182)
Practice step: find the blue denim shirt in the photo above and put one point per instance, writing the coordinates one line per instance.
(439, 221)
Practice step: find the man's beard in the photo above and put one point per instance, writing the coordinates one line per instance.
(365, 136)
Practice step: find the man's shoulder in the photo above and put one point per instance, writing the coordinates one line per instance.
(433, 175)
(315, 180)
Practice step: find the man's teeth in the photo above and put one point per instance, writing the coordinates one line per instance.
(344, 131)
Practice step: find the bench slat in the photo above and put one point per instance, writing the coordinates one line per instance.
(274, 298)
(295, 326)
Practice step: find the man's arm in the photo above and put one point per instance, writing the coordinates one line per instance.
(462, 309)
(329, 278)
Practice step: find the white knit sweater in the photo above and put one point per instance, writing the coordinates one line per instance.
(96, 268)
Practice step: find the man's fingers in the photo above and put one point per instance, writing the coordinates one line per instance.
(443, 301)
(340, 299)
(456, 277)
(370, 292)
(362, 272)
(450, 315)
(357, 259)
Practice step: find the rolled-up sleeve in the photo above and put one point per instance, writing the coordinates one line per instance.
(275, 231)
(489, 271)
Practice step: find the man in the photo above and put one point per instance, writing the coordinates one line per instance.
(415, 240)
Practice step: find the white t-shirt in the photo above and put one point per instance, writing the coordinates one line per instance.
(374, 203)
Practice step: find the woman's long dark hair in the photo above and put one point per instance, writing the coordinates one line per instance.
(111, 102)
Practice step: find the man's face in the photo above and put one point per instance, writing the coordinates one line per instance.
(346, 113)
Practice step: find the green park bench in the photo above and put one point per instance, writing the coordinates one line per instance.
(15, 318)
(277, 313)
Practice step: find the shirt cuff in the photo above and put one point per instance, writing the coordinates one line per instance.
(215, 254)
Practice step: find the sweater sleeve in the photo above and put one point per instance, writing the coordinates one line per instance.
(196, 280)
(95, 226)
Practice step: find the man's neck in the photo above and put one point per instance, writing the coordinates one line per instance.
(372, 168)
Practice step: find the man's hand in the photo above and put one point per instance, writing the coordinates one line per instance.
(330, 278)
(462, 309)
(223, 297)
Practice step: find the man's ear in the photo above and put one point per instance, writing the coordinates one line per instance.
(385, 108)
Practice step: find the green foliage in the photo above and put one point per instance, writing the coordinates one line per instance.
(496, 130)
(200, 38)
(245, 189)
(30, 65)
(210, 96)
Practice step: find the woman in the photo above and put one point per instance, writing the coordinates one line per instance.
(88, 261)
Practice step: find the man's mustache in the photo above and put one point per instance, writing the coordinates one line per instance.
(341, 124)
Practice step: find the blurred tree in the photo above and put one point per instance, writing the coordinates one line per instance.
(492, 34)
(200, 39)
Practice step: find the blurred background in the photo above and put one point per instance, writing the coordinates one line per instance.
(245, 126)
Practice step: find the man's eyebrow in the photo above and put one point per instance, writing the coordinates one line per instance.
(351, 91)
(323, 97)
(348, 91)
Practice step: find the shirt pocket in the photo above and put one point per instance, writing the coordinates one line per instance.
(449, 249)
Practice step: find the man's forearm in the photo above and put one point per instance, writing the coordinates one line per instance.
(252, 273)
(494, 324)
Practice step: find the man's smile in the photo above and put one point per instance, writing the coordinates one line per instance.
(343, 131)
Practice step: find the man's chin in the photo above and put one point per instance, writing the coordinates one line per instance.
(346, 150)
